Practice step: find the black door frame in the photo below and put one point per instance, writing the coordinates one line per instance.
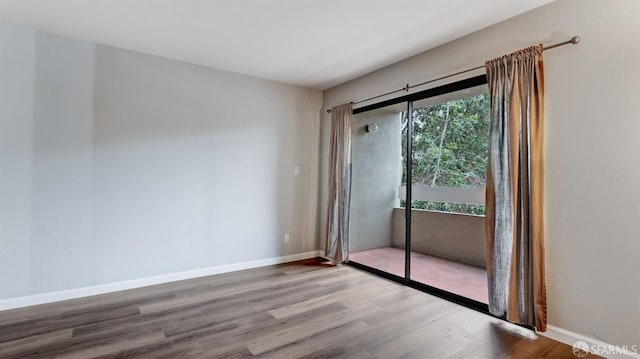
(409, 99)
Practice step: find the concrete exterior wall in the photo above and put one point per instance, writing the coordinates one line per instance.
(377, 170)
(458, 237)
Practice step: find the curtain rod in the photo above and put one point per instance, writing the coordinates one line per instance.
(574, 40)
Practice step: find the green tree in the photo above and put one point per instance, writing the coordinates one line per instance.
(450, 148)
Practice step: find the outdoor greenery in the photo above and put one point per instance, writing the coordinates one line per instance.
(450, 147)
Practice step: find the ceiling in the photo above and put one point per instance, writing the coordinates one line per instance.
(311, 43)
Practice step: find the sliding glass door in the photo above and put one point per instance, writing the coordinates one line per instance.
(377, 172)
(436, 141)
(450, 145)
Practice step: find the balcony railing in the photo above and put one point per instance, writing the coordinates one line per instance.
(468, 195)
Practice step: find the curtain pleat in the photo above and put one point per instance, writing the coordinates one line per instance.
(514, 222)
(337, 237)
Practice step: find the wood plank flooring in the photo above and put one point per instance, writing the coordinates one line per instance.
(298, 310)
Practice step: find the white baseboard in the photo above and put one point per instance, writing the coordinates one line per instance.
(50, 297)
(570, 338)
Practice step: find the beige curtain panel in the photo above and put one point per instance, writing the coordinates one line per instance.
(337, 240)
(515, 242)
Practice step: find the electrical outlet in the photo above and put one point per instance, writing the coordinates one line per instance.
(286, 238)
(296, 171)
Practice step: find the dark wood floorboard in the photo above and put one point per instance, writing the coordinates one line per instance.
(304, 309)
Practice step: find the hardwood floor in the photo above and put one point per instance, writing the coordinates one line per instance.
(298, 310)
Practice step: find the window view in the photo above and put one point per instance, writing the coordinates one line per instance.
(440, 242)
(450, 147)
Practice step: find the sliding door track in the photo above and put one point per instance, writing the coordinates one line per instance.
(452, 297)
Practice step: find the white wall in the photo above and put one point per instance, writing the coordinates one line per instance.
(592, 171)
(116, 165)
(17, 63)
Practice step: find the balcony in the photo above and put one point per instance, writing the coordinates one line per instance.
(448, 251)
(448, 156)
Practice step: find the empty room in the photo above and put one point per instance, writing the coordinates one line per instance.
(319, 179)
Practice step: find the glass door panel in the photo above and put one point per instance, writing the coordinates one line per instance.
(450, 145)
(377, 223)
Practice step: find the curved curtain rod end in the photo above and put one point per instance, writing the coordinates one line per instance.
(574, 40)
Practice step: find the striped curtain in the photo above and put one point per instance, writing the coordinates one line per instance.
(514, 222)
(337, 239)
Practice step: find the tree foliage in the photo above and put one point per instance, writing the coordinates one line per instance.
(450, 148)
